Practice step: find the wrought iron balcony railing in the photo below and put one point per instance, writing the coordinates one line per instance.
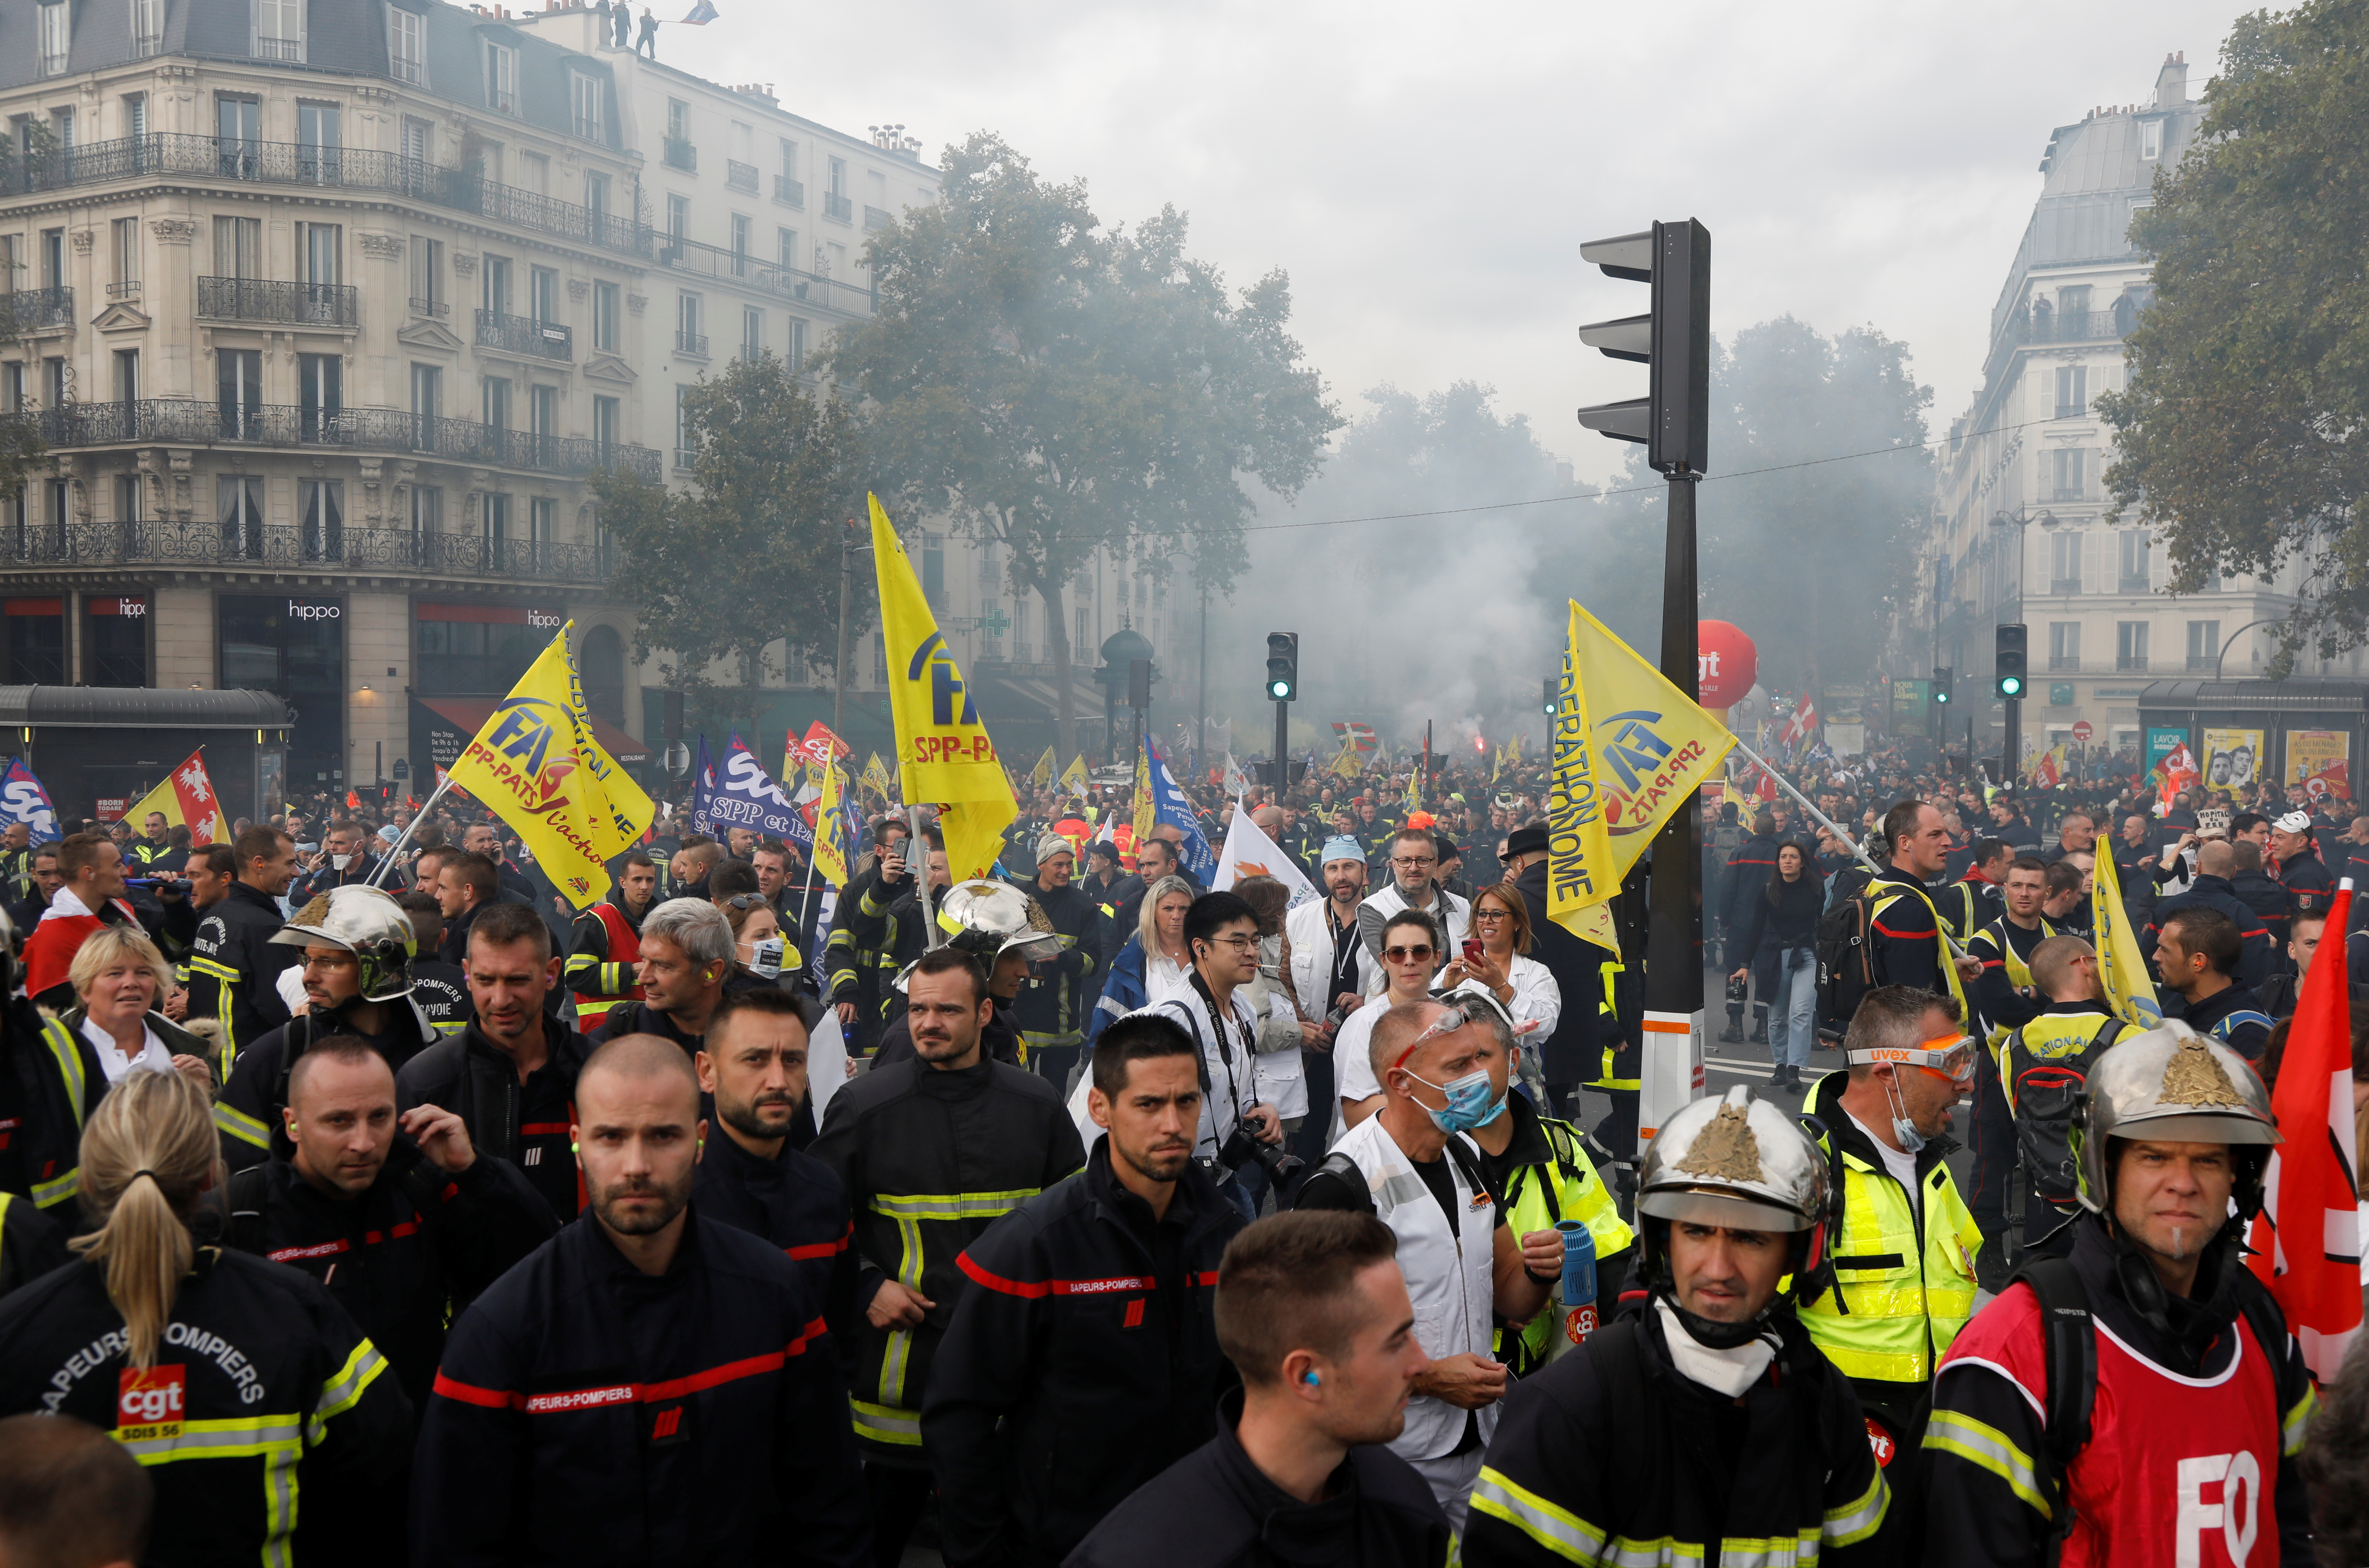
(38, 310)
(739, 176)
(837, 206)
(358, 549)
(188, 421)
(793, 191)
(261, 299)
(525, 334)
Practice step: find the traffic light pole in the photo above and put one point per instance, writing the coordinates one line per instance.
(1282, 745)
(1670, 1068)
(2012, 752)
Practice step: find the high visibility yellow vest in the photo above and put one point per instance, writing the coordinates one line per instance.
(2019, 973)
(1941, 937)
(2052, 1036)
(1607, 1075)
(1902, 1291)
(1540, 1196)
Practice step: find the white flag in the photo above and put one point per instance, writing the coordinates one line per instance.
(1250, 852)
(1237, 784)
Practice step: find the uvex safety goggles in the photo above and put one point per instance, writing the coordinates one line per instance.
(1944, 1056)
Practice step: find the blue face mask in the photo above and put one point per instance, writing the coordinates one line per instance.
(1498, 1108)
(1468, 1102)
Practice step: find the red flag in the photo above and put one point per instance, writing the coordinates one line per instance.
(1766, 790)
(353, 801)
(2306, 1244)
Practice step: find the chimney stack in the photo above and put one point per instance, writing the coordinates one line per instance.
(2171, 82)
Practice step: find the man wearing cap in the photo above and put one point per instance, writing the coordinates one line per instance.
(1329, 970)
(1903, 1255)
(2302, 872)
(1051, 1012)
(2180, 1443)
(1708, 1423)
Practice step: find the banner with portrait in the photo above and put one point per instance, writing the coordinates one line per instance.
(2321, 761)
(2233, 759)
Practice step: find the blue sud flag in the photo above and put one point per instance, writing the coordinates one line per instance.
(737, 793)
(22, 800)
(1170, 807)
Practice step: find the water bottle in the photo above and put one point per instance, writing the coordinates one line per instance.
(1578, 1281)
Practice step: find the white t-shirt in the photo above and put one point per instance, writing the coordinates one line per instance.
(152, 1056)
(1353, 1066)
(1902, 1167)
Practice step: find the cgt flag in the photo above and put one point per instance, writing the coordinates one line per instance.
(187, 799)
(1628, 749)
(536, 765)
(2309, 1216)
(943, 753)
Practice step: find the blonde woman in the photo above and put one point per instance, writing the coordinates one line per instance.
(244, 1389)
(119, 976)
(1155, 963)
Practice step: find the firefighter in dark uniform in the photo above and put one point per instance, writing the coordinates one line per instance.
(1705, 1421)
(647, 1331)
(608, 944)
(931, 1151)
(858, 921)
(1052, 1007)
(235, 965)
(2309, 885)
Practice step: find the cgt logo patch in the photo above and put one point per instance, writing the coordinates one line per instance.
(151, 1404)
(1881, 1441)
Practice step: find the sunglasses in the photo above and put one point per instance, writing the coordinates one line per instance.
(749, 901)
(1407, 955)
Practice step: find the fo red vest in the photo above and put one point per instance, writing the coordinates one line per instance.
(624, 947)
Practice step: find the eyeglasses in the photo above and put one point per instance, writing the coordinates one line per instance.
(1412, 862)
(1407, 955)
(1239, 943)
(1492, 914)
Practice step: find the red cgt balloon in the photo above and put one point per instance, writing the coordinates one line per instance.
(1726, 664)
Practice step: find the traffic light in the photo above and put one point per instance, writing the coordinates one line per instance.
(1673, 421)
(1283, 665)
(2008, 660)
(1942, 676)
(1553, 696)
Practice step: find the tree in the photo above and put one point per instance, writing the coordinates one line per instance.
(2239, 434)
(1060, 388)
(749, 556)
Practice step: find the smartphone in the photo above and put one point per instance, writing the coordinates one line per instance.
(1472, 951)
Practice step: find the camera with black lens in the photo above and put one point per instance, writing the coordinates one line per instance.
(1243, 1148)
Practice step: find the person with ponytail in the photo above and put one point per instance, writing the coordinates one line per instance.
(241, 1387)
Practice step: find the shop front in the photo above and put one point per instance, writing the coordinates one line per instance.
(2301, 733)
(295, 647)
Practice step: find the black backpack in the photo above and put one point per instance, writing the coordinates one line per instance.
(1846, 960)
(2046, 1092)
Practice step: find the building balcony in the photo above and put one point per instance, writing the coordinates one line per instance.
(681, 155)
(793, 191)
(834, 205)
(41, 310)
(128, 289)
(171, 155)
(188, 421)
(524, 335)
(743, 270)
(739, 176)
(873, 218)
(437, 309)
(691, 343)
(298, 549)
(260, 299)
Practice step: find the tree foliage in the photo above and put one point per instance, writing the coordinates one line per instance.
(1060, 388)
(2240, 433)
(749, 556)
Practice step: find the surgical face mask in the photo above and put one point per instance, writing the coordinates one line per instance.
(339, 862)
(1468, 1102)
(1497, 1108)
(764, 957)
(1904, 1128)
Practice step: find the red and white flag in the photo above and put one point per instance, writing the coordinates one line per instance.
(821, 745)
(2306, 1244)
(1804, 725)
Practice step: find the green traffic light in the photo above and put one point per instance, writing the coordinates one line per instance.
(1279, 690)
(2010, 685)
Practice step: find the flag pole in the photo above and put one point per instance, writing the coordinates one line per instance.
(1828, 823)
(387, 860)
(931, 938)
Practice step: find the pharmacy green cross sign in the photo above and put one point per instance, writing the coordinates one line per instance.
(995, 623)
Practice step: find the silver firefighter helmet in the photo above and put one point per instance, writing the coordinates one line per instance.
(367, 923)
(2170, 1083)
(988, 918)
(1739, 1162)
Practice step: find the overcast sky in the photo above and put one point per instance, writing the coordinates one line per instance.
(1426, 173)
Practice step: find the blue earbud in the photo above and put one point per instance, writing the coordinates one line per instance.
(1308, 1378)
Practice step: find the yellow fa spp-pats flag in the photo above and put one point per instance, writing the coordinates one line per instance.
(537, 767)
(1041, 775)
(943, 753)
(832, 850)
(1145, 814)
(2130, 994)
(1074, 775)
(1628, 749)
(875, 777)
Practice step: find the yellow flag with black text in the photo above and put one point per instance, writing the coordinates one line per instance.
(832, 850)
(1627, 750)
(943, 753)
(2122, 971)
(536, 766)
(1041, 775)
(1073, 777)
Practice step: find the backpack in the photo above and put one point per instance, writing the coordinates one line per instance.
(2046, 1092)
(1846, 960)
(2070, 1343)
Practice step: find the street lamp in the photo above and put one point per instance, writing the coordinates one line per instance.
(2232, 640)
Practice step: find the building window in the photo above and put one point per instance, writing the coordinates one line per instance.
(115, 634)
(241, 498)
(416, 142)
(126, 234)
(2150, 139)
(933, 569)
(2130, 645)
(238, 391)
(682, 434)
(543, 294)
(12, 387)
(406, 45)
(2072, 391)
(2064, 644)
(127, 375)
(497, 402)
(238, 247)
(688, 338)
(2063, 565)
(534, 173)
(1085, 636)
(604, 316)
(320, 254)
(498, 523)
(2135, 576)
(879, 658)
(793, 348)
(320, 393)
(428, 277)
(319, 134)
(135, 115)
(147, 28)
(585, 91)
(497, 274)
(604, 424)
(55, 29)
(502, 78)
(426, 399)
(2204, 644)
(278, 30)
(2069, 466)
(127, 498)
(787, 186)
(739, 245)
(542, 514)
(323, 506)
(53, 258)
(753, 332)
(596, 199)
(426, 512)
(678, 216)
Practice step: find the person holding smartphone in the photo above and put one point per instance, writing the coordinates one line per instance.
(1495, 958)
